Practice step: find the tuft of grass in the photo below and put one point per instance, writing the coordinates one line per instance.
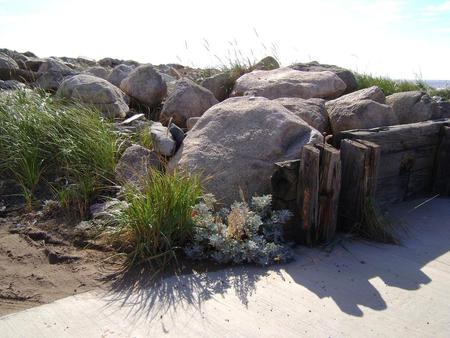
(62, 146)
(158, 218)
(387, 85)
(375, 226)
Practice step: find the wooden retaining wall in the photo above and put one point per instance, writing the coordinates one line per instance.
(328, 187)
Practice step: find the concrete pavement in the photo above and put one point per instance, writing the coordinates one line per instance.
(360, 289)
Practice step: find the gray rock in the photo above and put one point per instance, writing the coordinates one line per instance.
(177, 134)
(187, 100)
(372, 93)
(360, 114)
(98, 71)
(344, 74)
(52, 64)
(190, 123)
(12, 85)
(34, 64)
(52, 74)
(411, 107)
(441, 108)
(287, 82)
(7, 62)
(236, 143)
(145, 85)
(162, 139)
(220, 85)
(312, 111)
(133, 166)
(95, 91)
(268, 63)
(119, 73)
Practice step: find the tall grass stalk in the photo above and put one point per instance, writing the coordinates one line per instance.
(64, 146)
(158, 219)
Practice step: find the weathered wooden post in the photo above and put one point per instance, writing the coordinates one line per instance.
(441, 182)
(360, 161)
(308, 194)
(329, 191)
(284, 193)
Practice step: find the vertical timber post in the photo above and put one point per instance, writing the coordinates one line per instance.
(441, 182)
(329, 191)
(307, 195)
(360, 160)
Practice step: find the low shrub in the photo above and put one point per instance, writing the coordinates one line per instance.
(62, 145)
(245, 232)
(158, 218)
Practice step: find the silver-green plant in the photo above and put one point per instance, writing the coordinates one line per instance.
(244, 233)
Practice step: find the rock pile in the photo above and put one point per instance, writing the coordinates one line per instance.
(238, 122)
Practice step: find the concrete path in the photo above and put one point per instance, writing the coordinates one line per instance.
(358, 290)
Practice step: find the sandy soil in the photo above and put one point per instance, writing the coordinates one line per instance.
(39, 263)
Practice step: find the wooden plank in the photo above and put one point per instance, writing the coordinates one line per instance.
(442, 168)
(398, 138)
(284, 183)
(329, 190)
(307, 195)
(360, 162)
(394, 164)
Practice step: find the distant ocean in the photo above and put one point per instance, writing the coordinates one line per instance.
(439, 84)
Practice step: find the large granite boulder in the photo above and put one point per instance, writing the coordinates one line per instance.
(52, 74)
(360, 114)
(7, 62)
(220, 85)
(187, 100)
(235, 144)
(344, 74)
(267, 63)
(119, 73)
(373, 93)
(411, 107)
(441, 108)
(95, 91)
(145, 85)
(287, 82)
(362, 109)
(12, 85)
(98, 71)
(312, 111)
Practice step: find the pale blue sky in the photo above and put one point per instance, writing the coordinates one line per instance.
(400, 39)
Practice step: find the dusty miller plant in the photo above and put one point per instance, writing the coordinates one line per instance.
(245, 232)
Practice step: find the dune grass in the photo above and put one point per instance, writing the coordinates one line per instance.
(389, 86)
(158, 219)
(67, 148)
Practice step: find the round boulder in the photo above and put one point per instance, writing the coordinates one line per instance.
(187, 100)
(287, 82)
(145, 85)
(119, 73)
(95, 91)
(235, 144)
(312, 111)
(411, 107)
(6, 62)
